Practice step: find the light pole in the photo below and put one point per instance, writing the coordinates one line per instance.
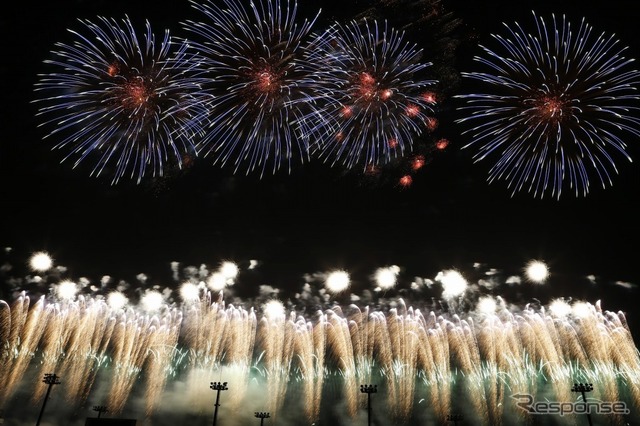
(262, 415)
(369, 389)
(455, 418)
(50, 379)
(583, 388)
(100, 409)
(217, 386)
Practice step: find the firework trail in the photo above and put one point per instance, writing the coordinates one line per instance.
(372, 101)
(437, 31)
(122, 101)
(305, 359)
(559, 104)
(252, 58)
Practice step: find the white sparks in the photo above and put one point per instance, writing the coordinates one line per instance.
(560, 308)
(337, 281)
(152, 301)
(274, 310)
(216, 281)
(453, 283)
(190, 292)
(537, 271)
(66, 290)
(387, 278)
(117, 300)
(41, 262)
(229, 271)
(487, 305)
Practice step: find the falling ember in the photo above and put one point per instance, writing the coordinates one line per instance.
(412, 110)
(367, 79)
(431, 123)
(113, 70)
(429, 97)
(405, 181)
(393, 143)
(442, 144)
(372, 170)
(418, 162)
(346, 111)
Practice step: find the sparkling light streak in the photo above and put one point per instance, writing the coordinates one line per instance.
(370, 105)
(558, 105)
(296, 358)
(252, 56)
(121, 102)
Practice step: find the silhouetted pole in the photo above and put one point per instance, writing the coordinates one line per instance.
(455, 418)
(217, 386)
(50, 379)
(583, 388)
(100, 409)
(369, 389)
(261, 415)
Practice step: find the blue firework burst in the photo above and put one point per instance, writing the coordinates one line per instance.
(252, 55)
(557, 106)
(374, 99)
(121, 101)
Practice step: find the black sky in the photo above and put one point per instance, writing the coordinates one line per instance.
(315, 218)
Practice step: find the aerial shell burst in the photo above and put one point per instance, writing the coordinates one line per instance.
(558, 107)
(121, 100)
(252, 57)
(374, 98)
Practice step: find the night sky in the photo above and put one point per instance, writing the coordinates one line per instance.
(316, 218)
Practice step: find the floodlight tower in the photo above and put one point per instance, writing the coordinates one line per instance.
(583, 388)
(262, 415)
(369, 389)
(50, 379)
(217, 386)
